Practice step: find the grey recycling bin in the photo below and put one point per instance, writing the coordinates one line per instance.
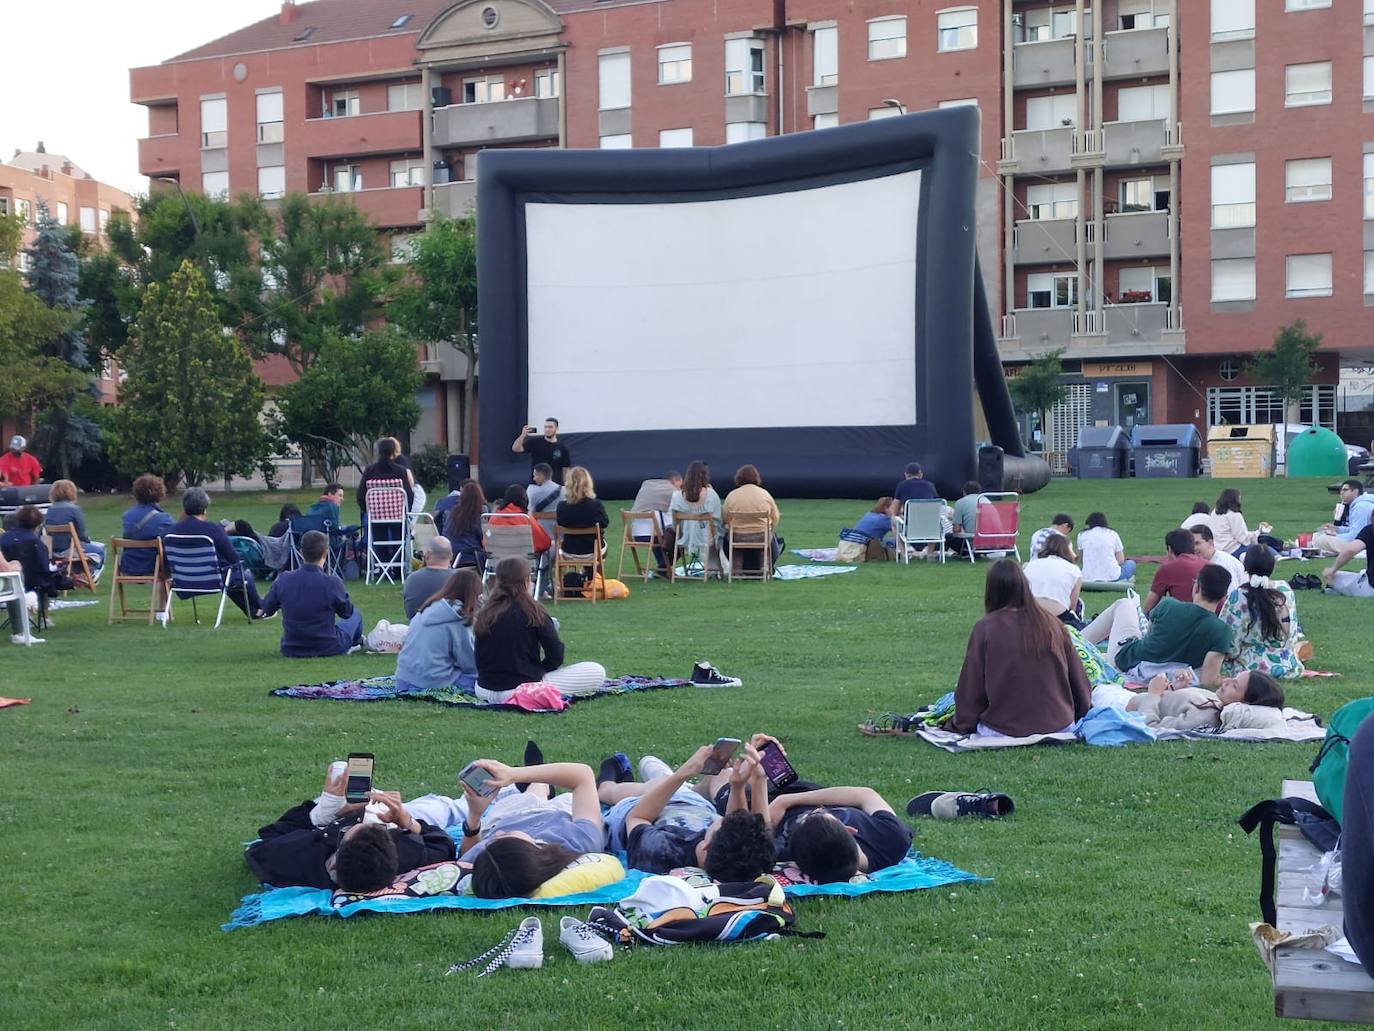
(1167, 450)
(1104, 453)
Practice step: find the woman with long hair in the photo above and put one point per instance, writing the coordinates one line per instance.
(1104, 556)
(463, 527)
(390, 465)
(1229, 532)
(1021, 674)
(1055, 581)
(696, 496)
(438, 651)
(1263, 616)
(517, 641)
(581, 509)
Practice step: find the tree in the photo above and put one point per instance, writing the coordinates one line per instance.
(439, 303)
(357, 390)
(191, 403)
(1038, 388)
(11, 237)
(31, 380)
(1289, 367)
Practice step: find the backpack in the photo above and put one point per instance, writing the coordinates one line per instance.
(739, 912)
(1328, 768)
(1312, 820)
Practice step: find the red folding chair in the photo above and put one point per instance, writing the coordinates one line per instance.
(999, 520)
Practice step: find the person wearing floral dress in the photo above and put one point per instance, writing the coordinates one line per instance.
(1263, 617)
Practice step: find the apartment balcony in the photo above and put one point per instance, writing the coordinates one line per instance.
(1048, 62)
(161, 155)
(1154, 326)
(1135, 53)
(389, 207)
(385, 132)
(1046, 240)
(822, 100)
(456, 200)
(1115, 331)
(1135, 143)
(515, 120)
(1037, 151)
(1137, 234)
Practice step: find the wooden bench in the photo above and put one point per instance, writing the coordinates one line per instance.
(1312, 984)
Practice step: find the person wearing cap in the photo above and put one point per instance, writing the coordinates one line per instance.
(914, 486)
(18, 468)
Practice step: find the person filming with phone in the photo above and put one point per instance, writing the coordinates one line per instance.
(547, 450)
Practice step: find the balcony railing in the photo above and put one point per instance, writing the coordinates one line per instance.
(381, 132)
(161, 155)
(1088, 323)
(388, 206)
(513, 120)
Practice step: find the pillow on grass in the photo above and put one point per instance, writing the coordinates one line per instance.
(585, 873)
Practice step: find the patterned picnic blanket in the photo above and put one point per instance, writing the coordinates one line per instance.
(809, 572)
(383, 688)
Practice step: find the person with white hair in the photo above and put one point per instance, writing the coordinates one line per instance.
(429, 580)
(18, 468)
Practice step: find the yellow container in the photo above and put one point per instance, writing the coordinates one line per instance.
(1241, 452)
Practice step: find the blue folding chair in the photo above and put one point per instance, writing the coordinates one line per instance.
(298, 526)
(193, 564)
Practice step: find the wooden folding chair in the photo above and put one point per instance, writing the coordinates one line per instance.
(118, 580)
(581, 562)
(748, 535)
(690, 559)
(633, 543)
(78, 567)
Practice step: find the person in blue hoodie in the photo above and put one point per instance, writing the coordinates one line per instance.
(438, 650)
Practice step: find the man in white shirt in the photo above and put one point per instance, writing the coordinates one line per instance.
(1207, 550)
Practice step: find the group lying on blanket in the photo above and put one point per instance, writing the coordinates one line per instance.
(734, 824)
(1027, 673)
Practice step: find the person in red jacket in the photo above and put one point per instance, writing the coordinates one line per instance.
(18, 468)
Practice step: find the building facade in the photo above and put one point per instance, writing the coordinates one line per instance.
(1100, 223)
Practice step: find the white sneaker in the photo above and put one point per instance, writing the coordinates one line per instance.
(585, 944)
(651, 767)
(527, 947)
(26, 640)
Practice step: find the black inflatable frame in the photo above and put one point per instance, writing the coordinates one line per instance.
(955, 347)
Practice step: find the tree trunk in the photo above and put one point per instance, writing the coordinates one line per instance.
(469, 416)
(1293, 412)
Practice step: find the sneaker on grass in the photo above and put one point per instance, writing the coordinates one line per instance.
(585, 944)
(706, 675)
(949, 805)
(520, 949)
(651, 767)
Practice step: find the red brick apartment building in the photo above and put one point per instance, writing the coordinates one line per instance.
(1100, 221)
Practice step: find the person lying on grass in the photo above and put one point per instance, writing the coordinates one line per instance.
(663, 824)
(328, 843)
(1246, 701)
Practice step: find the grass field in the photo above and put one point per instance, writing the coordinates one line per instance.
(1119, 894)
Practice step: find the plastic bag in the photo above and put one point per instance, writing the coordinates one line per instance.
(387, 636)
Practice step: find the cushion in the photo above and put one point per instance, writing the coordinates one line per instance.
(585, 873)
(1243, 716)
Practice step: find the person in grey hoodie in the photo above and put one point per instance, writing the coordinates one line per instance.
(438, 649)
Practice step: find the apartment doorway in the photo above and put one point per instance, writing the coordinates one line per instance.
(1132, 404)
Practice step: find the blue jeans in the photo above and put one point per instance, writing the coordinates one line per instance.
(1127, 569)
(350, 630)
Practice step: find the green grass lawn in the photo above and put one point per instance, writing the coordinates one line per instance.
(1119, 894)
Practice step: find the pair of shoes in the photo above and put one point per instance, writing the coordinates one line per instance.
(523, 948)
(26, 639)
(1306, 582)
(534, 756)
(651, 767)
(706, 675)
(949, 805)
(615, 769)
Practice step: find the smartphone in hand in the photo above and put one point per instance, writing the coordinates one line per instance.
(478, 779)
(775, 766)
(359, 777)
(723, 750)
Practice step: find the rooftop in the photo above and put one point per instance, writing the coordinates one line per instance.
(34, 160)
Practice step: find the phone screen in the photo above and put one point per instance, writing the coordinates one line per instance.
(359, 777)
(775, 766)
(723, 749)
(477, 779)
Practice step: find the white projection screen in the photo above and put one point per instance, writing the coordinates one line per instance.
(785, 310)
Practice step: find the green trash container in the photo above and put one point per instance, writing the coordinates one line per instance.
(1317, 451)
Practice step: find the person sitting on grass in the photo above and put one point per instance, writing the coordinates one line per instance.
(62, 510)
(1021, 674)
(1263, 617)
(1228, 525)
(425, 582)
(1176, 575)
(1352, 514)
(1249, 700)
(1177, 635)
(517, 642)
(879, 529)
(329, 843)
(1055, 582)
(663, 824)
(1204, 546)
(1104, 560)
(1352, 584)
(1201, 515)
(1062, 525)
(309, 599)
(438, 651)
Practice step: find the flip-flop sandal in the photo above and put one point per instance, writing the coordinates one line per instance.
(890, 724)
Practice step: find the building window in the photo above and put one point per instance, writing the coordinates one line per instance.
(1249, 406)
(1142, 14)
(25, 262)
(1052, 200)
(887, 38)
(88, 223)
(675, 137)
(402, 248)
(825, 56)
(408, 172)
(104, 220)
(1307, 179)
(1307, 84)
(743, 67)
(1369, 78)
(1144, 195)
(1309, 275)
(1144, 286)
(1052, 112)
(738, 132)
(347, 178)
(215, 184)
(1233, 92)
(546, 82)
(214, 123)
(4, 205)
(1233, 279)
(1142, 103)
(1369, 12)
(618, 142)
(405, 96)
(1233, 195)
(1052, 290)
(965, 102)
(343, 103)
(1046, 23)
(1369, 185)
(484, 91)
(958, 29)
(614, 74)
(1233, 19)
(271, 181)
(270, 117)
(63, 212)
(1368, 272)
(24, 210)
(674, 64)
(1305, 5)
(826, 121)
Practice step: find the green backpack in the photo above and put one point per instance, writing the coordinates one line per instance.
(1328, 768)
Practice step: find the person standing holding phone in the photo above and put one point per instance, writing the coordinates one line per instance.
(547, 449)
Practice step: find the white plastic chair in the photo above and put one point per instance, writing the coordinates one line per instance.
(921, 523)
(12, 589)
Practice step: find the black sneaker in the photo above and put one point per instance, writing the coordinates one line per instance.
(615, 769)
(949, 805)
(706, 675)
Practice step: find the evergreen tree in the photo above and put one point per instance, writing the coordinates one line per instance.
(190, 406)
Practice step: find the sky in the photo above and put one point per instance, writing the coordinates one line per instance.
(70, 87)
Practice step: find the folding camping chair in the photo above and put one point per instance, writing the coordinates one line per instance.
(635, 540)
(562, 560)
(999, 518)
(193, 569)
(252, 557)
(387, 553)
(119, 580)
(510, 539)
(298, 526)
(748, 534)
(12, 589)
(694, 566)
(73, 556)
(921, 523)
(423, 529)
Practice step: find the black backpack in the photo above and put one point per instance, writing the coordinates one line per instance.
(1317, 826)
(743, 911)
